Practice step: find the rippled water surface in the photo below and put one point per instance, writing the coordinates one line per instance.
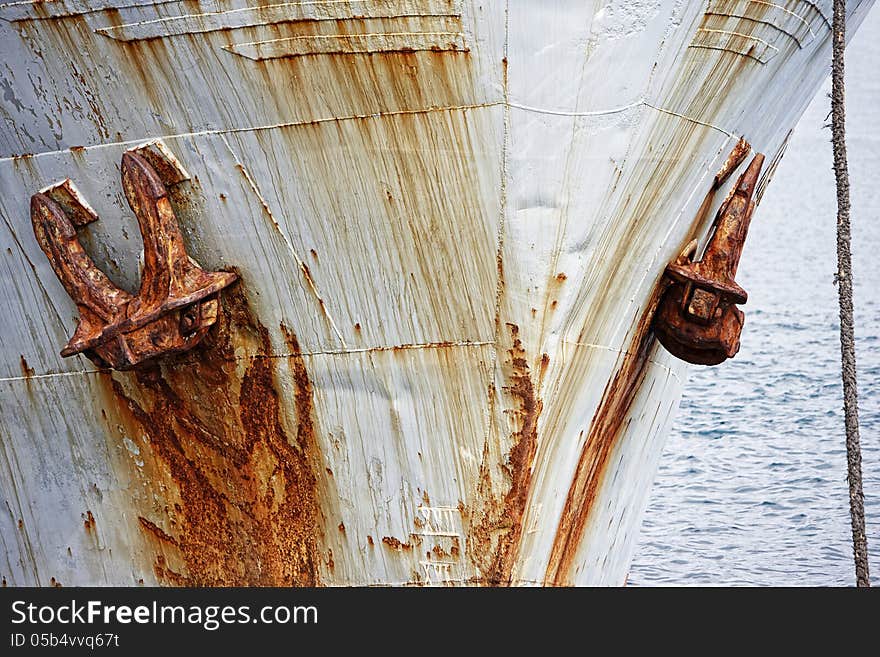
(752, 485)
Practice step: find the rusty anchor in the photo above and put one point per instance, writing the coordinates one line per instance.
(697, 319)
(177, 302)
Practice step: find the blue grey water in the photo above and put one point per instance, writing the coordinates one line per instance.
(752, 485)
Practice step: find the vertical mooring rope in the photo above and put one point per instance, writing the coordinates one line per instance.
(845, 290)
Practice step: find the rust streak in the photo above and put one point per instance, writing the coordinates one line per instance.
(499, 528)
(88, 521)
(26, 370)
(242, 493)
(156, 531)
(605, 429)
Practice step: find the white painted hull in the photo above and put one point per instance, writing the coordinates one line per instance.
(448, 230)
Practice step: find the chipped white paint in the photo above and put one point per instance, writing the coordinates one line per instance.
(65, 193)
(367, 201)
(159, 155)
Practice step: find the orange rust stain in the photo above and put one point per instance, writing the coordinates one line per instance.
(166, 575)
(26, 371)
(156, 531)
(394, 543)
(605, 429)
(89, 521)
(307, 273)
(55, 583)
(498, 530)
(342, 527)
(242, 493)
(561, 277)
(542, 370)
(703, 81)
(370, 539)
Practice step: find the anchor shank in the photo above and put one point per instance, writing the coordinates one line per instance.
(723, 253)
(165, 259)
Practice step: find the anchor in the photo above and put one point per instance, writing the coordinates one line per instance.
(177, 302)
(697, 319)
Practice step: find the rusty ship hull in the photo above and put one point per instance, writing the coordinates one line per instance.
(448, 221)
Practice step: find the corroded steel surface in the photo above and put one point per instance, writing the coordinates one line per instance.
(450, 220)
(697, 319)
